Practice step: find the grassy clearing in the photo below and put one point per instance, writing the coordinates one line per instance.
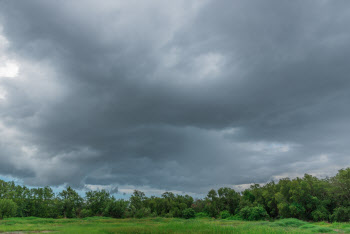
(166, 225)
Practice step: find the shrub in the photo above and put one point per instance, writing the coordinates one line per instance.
(188, 213)
(153, 215)
(176, 212)
(253, 213)
(116, 209)
(283, 209)
(225, 214)
(84, 213)
(142, 213)
(132, 212)
(169, 215)
(212, 209)
(297, 210)
(341, 214)
(8, 208)
(320, 214)
(201, 215)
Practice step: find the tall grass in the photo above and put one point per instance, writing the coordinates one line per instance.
(167, 225)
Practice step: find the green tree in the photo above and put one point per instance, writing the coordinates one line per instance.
(341, 214)
(97, 201)
(8, 208)
(341, 187)
(212, 206)
(253, 213)
(137, 199)
(228, 200)
(70, 202)
(117, 208)
(188, 213)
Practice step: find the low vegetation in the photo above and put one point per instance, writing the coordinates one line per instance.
(165, 225)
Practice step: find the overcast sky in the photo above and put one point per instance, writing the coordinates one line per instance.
(173, 95)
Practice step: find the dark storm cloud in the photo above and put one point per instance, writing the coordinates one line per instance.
(185, 96)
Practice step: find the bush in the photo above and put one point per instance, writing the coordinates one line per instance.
(84, 213)
(320, 214)
(225, 214)
(253, 213)
(132, 212)
(201, 215)
(8, 208)
(153, 215)
(296, 210)
(341, 214)
(212, 209)
(188, 213)
(176, 212)
(169, 215)
(116, 209)
(142, 213)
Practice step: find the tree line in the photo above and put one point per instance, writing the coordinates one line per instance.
(307, 198)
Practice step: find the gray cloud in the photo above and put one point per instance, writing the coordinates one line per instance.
(184, 97)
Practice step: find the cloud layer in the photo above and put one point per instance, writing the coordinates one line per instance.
(178, 95)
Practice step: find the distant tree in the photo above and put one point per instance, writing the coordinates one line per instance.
(188, 213)
(71, 202)
(97, 201)
(224, 214)
(340, 187)
(307, 198)
(198, 205)
(42, 202)
(341, 214)
(8, 208)
(253, 213)
(117, 208)
(212, 206)
(229, 199)
(137, 199)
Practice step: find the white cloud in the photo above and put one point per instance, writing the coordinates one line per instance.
(267, 147)
(8, 69)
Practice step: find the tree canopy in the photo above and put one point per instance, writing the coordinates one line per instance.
(306, 198)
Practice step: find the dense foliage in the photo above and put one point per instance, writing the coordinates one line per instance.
(306, 198)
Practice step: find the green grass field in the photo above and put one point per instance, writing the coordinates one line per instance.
(165, 225)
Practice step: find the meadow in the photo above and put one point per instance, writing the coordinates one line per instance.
(165, 225)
